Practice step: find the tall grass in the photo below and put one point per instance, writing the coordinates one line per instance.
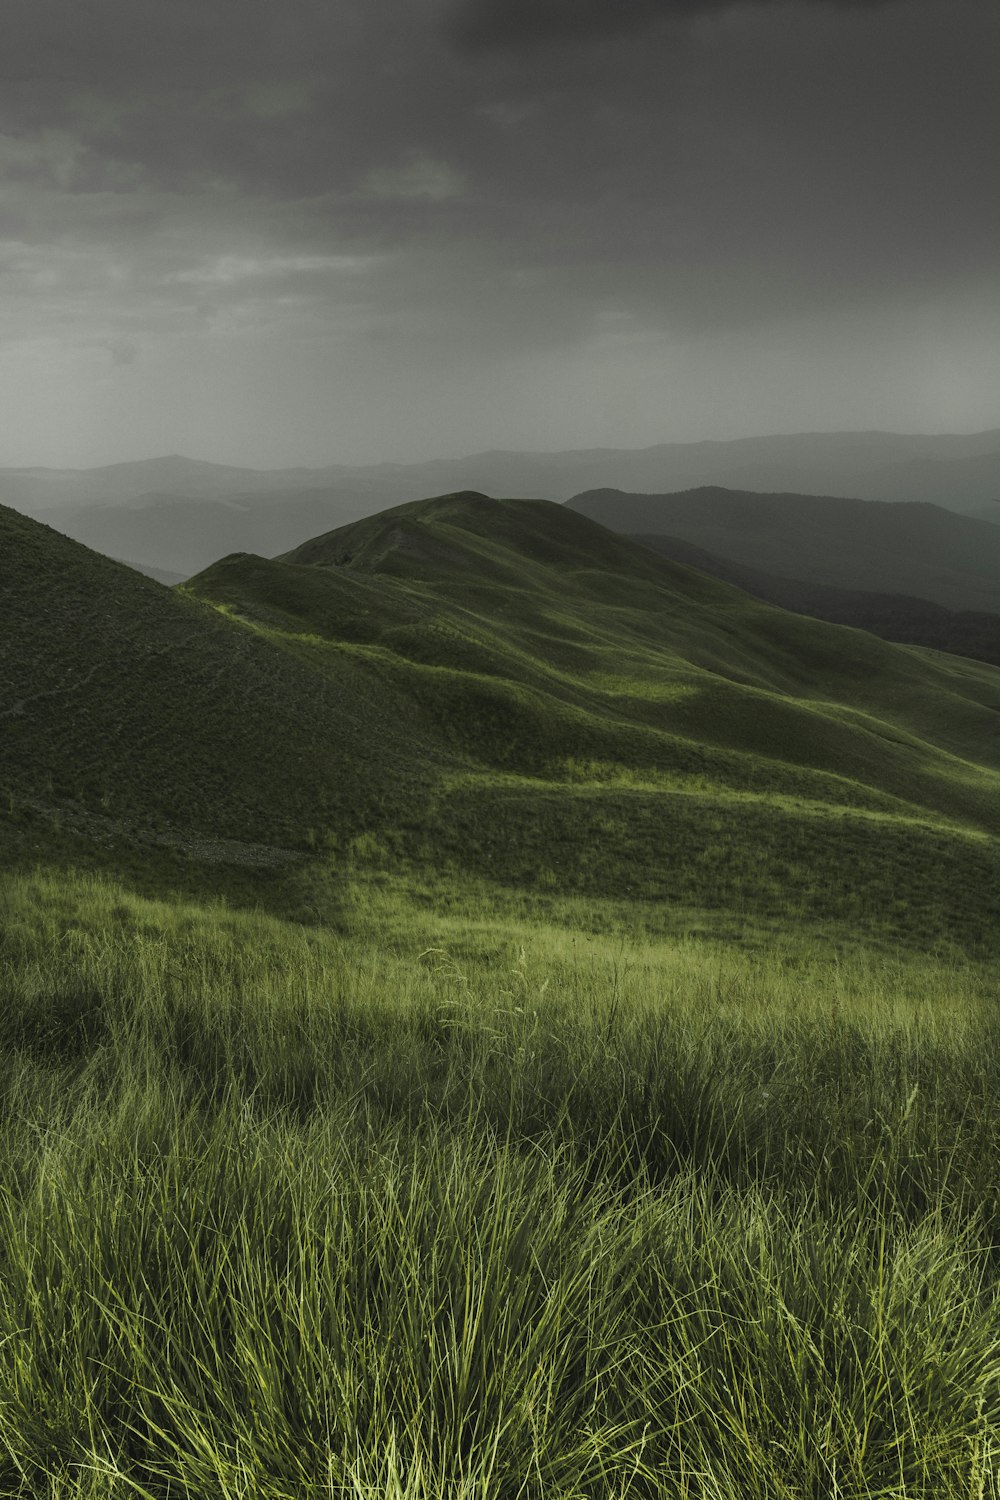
(285, 1214)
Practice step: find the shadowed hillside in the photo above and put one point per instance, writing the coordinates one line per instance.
(895, 617)
(137, 715)
(875, 546)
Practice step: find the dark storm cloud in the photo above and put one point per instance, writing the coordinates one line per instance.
(123, 42)
(352, 100)
(520, 23)
(285, 95)
(418, 177)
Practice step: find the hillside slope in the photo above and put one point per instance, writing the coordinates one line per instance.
(629, 725)
(499, 691)
(875, 546)
(134, 713)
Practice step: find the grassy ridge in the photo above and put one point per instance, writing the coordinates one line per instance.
(129, 709)
(444, 682)
(629, 727)
(297, 1215)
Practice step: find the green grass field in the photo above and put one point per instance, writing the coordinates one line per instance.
(486, 1014)
(481, 1204)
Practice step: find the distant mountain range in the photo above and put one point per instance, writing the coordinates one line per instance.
(176, 514)
(894, 617)
(906, 548)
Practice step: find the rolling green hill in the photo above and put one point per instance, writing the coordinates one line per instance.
(137, 718)
(629, 726)
(499, 691)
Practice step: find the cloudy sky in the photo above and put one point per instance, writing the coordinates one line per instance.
(317, 231)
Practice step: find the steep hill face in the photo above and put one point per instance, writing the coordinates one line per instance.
(878, 547)
(130, 710)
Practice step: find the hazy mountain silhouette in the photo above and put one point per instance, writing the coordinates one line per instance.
(162, 575)
(182, 513)
(894, 617)
(905, 548)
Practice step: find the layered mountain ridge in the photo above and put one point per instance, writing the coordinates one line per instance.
(907, 548)
(178, 514)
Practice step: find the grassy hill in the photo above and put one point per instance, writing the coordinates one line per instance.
(499, 691)
(876, 546)
(138, 717)
(622, 725)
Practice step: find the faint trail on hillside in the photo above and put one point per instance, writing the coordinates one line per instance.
(21, 703)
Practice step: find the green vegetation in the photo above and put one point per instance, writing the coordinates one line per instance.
(620, 726)
(139, 724)
(532, 1211)
(504, 690)
(487, 1014)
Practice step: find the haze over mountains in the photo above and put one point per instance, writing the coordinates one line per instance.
(904, 548)
(178, 514)
(895, 617)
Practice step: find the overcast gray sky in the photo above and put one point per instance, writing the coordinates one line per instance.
(314, 231)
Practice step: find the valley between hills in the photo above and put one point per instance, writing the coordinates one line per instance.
(491, 1009)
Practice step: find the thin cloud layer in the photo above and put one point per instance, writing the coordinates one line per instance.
(525, 23)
